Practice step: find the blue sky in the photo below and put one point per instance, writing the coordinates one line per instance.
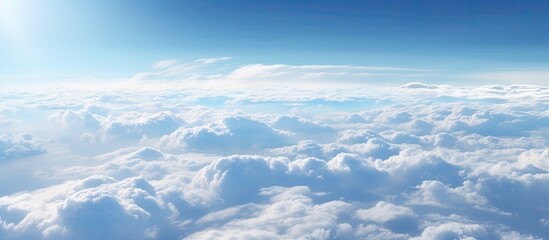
(74, 39)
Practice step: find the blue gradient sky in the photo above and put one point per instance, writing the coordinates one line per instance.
(51, 39)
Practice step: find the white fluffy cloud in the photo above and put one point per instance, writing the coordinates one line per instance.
(290, 214)
(12, 148)
(305, 129)
(154, 125)
(92, 208)
(436, 194)
(383, 212)
(418, 161)
(237, 133)
(82, 119)
(536, 157)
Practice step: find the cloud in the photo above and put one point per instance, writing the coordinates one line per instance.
(303, 149)
(418, 85)
(536, 157)
(170, 69)
(399, 219)
(212, 60)
(498, 123)
(356, 137)
(92, 208)
(237, 178)
(82, 119)
(383, 212)
(262, 73)
(237, 133)
(136, 126)
(305, 129)
(290, 214)
(435, 193)
(417, 161)
(460, 230)
(24, 145)
(401, 137)
(4, 121)
(94, 127)
(454, 231)
(412, 165)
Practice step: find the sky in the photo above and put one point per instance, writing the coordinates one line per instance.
(62, 39)
(241, 119)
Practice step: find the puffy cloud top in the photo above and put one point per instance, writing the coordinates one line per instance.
(21, 146)
(413, 162)
(236, 133)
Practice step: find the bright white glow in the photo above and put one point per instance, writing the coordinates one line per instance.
(1, 9)
(17, 25)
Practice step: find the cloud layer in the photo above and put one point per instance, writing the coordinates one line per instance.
(417, 161)
(12, 148)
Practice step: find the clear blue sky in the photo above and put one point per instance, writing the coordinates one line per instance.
(104, 38)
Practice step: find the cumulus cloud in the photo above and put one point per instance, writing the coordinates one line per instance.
(417, 161)
(305, 129)
(356, 137)
(12, 148)
(155, 125)
(92, 208)
(399, 219)
(97, 124)
(455, 231)
(291, 214)
(83, 119)
(238, 178)
(236, 133)
(536, 157)
(435, 193)
(383, 212)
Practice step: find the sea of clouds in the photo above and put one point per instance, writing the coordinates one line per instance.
(415, 161)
